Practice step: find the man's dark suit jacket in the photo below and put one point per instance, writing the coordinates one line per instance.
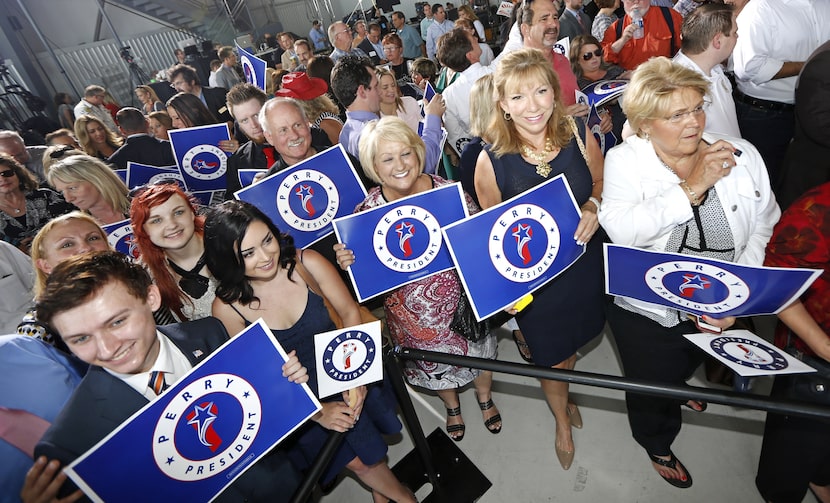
(215, 99)
(367, 47)
(569, 26)
(102, 402)
(143, 149)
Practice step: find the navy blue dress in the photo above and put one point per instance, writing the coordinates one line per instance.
(379, 410)
(570, 310)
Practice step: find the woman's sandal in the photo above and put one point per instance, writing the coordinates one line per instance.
(673, 463)
(491, 420)
(696, 405)
(524, 349)
(455, 428)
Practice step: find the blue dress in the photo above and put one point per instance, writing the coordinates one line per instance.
(378, 417)
(570, 310)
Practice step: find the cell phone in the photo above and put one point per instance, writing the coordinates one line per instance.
(703, 326)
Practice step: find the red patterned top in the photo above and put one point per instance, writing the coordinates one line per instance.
(802, 239)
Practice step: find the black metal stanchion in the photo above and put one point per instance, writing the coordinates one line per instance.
(303, 493)
(783, 407)
(410, 417)
(436, 459)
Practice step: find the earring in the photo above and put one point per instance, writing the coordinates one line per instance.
(506, 115)
(648, 136)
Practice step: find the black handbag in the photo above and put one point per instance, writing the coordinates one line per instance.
(464, 321)
(813, 387)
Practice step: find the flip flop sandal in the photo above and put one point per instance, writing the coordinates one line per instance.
(702, 404)
(673, 464)
(455, 428)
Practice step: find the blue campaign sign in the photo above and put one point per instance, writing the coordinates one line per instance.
(702, 286)
(604, 90)
(400, 242)
(202, 433)
(516, 247)
(253, 67)
(246, 176)
(203, 164)
(142, 174)
(304, 199)
(122, 174)
(120, 237)
(605, 141)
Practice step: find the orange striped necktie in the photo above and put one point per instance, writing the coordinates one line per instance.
(157, 382)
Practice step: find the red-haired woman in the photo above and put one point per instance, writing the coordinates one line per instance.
(169, 234)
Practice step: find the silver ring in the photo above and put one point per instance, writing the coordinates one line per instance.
(725, 164)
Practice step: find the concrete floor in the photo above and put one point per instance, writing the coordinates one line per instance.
(719, 447)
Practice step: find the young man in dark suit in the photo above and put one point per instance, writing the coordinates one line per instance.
(102, 306)
(140, 147)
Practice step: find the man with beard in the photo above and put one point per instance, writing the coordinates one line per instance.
(244, 103)
(539, 27)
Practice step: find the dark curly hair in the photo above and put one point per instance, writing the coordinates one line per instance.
(225, 227)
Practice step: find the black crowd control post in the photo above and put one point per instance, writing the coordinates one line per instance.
(783, 407)
(436, 459)
(410, 417)
(303, 493)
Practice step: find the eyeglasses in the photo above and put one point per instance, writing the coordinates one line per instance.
(176, 84)
(588, 56)
(680, 116)
(387, 48)
(8, 173)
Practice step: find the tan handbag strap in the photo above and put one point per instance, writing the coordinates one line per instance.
(579, 141)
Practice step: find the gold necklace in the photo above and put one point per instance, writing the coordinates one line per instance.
(542, 167)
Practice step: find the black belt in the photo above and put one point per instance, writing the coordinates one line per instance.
(763, 104)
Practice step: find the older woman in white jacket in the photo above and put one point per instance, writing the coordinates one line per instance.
(671, 188)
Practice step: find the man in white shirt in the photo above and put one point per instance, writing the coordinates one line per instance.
(460, 52)
(93, 104)
(439, 26)
(709, 35)
(777, 37)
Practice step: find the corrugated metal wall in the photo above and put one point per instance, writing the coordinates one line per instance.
(101, 63)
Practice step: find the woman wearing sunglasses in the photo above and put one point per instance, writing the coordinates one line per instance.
(589, 66)
(24, 208)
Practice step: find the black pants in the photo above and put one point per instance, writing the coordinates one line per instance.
(770, 131)
(653, 352)
(795, 452)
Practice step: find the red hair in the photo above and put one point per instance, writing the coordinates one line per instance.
(153, 256)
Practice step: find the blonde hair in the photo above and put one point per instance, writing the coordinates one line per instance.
(514, 71)
(468, 12)
(392, 129)
(38, 252)
(482, 105)
(315, 107)
(382, 71)
(83, 137)
(649, 93)
(84, 168)
(56, 153)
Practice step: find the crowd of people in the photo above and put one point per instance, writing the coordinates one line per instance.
(720, 128)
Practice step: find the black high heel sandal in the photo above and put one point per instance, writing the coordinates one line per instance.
(455, 428)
